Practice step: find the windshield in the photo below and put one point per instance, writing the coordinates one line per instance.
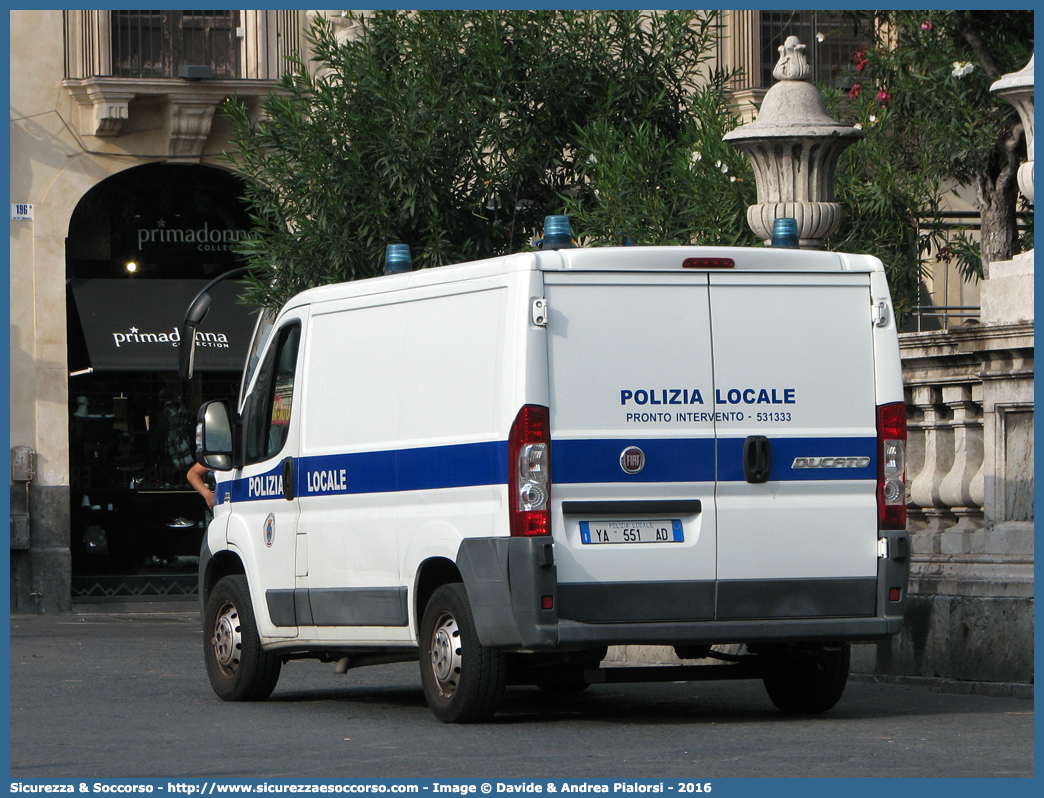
(265, 321)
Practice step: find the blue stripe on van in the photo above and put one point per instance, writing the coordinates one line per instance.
(573, 461)
(456, 466)
(692, 459)
(268, 485)
(786, 450)
(666, 460)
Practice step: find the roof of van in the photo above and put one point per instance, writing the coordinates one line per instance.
(657, 259)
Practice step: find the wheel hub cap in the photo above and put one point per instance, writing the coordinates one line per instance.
(445, 654)
(227, 641)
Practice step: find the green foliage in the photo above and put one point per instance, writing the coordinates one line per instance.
(967, 253)
(921, 95)
(884, 195)
(456, 132)
(642, 188)
(939, 83)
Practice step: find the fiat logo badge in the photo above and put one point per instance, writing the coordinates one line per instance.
(632, 460)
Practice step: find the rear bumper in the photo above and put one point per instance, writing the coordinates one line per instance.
(508, 580)
(588, 635)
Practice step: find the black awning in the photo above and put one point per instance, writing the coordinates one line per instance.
(132, 325)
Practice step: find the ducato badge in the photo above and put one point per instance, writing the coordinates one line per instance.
(830, 462)
(632, 460)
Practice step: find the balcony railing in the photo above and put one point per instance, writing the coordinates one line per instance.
(241, 45)
(948, 298)
(165, 44)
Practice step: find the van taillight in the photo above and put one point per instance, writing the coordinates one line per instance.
(891, 466)
(529, 472)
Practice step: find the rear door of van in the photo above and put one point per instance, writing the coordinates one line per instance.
(713, 439)
(633, 449)
(794, 384)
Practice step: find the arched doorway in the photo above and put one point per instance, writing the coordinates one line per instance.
(141, 244)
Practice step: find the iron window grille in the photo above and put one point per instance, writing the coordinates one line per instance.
(156, 44)
(831, 58)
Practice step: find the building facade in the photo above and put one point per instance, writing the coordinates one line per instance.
(122, 210)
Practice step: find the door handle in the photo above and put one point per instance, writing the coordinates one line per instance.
(757, 459)
(288, 479)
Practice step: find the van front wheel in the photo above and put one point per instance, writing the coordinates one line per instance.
(238, 668)
(811, 683)
(463, 680)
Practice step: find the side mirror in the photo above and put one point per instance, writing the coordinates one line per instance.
(214, 445)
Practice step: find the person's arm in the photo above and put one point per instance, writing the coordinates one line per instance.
(195, 479)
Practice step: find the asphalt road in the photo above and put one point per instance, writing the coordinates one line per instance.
(127, 696)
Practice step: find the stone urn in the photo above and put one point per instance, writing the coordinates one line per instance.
(794, 146)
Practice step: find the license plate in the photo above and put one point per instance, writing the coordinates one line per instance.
(631, 531)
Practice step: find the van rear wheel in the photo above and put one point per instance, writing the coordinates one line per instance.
(811, 683)
(463, 680)
(239, 669)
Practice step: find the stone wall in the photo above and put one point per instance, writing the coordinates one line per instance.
(970, 485)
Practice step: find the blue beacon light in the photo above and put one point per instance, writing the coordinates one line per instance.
(557, 233)
(785, 232)
(397, 259)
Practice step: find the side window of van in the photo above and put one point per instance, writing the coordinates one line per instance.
(271, 402)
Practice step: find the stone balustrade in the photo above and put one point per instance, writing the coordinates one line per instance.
(945, 473)
(969, 471)
(969, 395)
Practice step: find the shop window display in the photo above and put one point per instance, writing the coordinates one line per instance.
(141, 244)
(134, 516)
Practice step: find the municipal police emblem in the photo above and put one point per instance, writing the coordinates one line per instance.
(269, 529)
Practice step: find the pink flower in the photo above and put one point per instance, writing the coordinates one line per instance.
(854, 91)
(926, 25)
(860, 59)
(883, 96)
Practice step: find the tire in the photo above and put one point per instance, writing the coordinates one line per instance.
(238, 668)
(810, 684)
(463, 680)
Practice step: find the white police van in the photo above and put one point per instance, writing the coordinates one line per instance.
(503, 467)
